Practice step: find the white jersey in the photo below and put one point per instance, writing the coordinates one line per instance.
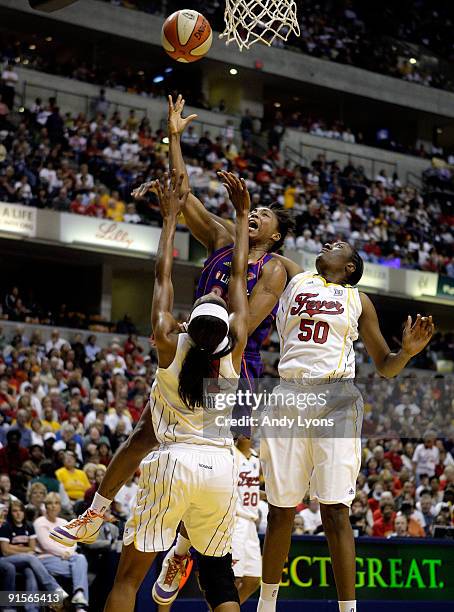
(173, 421)
(317, 323)
(248, 485)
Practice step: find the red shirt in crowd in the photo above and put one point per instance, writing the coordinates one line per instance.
(382, 528)
(11, 459)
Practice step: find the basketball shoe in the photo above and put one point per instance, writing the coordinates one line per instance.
(165, 589)
(85, 529)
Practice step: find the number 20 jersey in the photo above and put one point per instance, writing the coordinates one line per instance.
(248, 485)
(317, 323)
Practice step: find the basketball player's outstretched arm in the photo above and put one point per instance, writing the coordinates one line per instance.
(415, 337)
(238, 298)
(171, 197)
(143, 439)
(209, 229)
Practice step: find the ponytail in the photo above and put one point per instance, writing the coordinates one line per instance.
(199, 365)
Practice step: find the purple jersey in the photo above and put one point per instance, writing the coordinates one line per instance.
(215, 278)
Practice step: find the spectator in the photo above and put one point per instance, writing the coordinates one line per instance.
(426, 456)
(401, 527)
(9, 81)
(74, 481)
(55, 342)
(10, 302)
(6, 497)
(35, 506)
(61, 561)
(91, 348)
(298, 525)
(311, 516)
(47, 477)
(5, 125)
(117, 415)
(90, 493)
(84, 180)
(384, 526)
(427, 511)
(246, 127)
(12, 456)
(23, 429)
(68, 439)
(17, 544)
(415, 519)
(131, 215)
(101, 104)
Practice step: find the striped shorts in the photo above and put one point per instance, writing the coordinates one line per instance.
(185, 482)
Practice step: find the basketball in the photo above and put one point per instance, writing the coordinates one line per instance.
(186, 36)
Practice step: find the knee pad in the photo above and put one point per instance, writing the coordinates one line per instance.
(216, 579)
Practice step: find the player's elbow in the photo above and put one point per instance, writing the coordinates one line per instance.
(386, 372)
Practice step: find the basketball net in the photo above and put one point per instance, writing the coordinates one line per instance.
(251, 21)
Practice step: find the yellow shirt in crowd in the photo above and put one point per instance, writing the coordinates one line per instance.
(52, 424)
(75, 483)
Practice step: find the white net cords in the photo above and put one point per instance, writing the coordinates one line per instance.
(251, 21)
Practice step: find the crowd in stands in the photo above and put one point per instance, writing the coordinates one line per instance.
(67, 405)
(90, 166)
(25, 308)
(142, 82)
(352, 32)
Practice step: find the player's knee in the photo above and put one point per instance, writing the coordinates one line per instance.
(280, 518)
(217, 580)
(335, 517)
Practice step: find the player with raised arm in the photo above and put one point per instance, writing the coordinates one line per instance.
(266, 278)
(319, 317)
(192, 476)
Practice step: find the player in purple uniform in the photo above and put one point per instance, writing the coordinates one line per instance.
(266, 280)
(268, 228)
(214, 279)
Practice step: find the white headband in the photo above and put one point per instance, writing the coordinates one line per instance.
(211, 310)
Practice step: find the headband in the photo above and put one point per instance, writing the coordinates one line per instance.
(211, 310)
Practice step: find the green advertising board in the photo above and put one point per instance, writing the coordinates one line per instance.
(445, 287)
(391, 569)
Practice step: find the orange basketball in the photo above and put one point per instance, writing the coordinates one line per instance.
(186, 36)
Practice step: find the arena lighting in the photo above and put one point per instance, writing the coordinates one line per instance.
(32, 47)
(141, 73)
(21, 109)
(158, 79)
(233, 71)
(49, 39)
(168, 70)
(277, 105)
(413, 60)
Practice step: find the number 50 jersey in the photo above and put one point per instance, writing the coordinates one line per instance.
(317, 323)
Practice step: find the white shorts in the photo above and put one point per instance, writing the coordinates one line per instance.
(182, 482)
(297, 462)
(246, 553)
